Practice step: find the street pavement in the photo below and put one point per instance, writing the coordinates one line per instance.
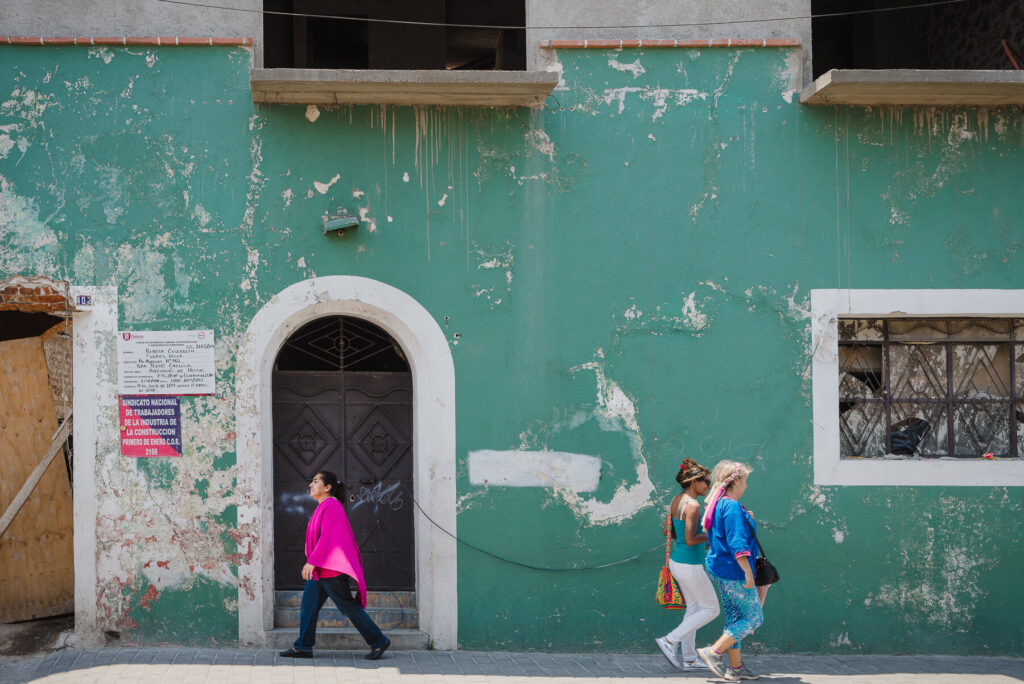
(123, 665)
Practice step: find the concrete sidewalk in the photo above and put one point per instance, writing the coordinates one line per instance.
(226, 666)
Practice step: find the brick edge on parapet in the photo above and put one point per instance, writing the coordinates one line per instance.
(710, 42)
(161, 41)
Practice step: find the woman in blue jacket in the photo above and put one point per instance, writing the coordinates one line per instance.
(730, 563)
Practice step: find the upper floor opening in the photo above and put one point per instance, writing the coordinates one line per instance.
(909, 52)
(395, 34)
(959, 35)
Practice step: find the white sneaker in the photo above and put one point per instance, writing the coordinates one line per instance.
(671, 652)
(712, 660)
(696, 664)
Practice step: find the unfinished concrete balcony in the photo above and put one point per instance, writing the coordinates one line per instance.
(402, 87)
(942, 87)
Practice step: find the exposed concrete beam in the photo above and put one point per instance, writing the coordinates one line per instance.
(401, 87)
(915, 87)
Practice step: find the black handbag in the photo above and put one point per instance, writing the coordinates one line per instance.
(764, 572)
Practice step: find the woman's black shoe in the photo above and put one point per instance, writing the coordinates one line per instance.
(292, 653)
(377, 651)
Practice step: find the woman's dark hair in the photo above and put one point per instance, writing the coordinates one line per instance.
(331, 480)
(689, 471)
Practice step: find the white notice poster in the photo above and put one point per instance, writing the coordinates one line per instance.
(165, 362)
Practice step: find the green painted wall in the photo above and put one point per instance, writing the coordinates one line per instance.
(625, 274)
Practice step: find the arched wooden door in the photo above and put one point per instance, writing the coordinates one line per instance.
(342, 396)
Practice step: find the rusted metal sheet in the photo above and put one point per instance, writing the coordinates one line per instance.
(36, 553)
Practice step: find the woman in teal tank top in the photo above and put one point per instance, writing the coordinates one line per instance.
(687, 566)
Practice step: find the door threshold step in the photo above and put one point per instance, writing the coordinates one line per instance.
(348, 639)
(292, 598)
(330, 616)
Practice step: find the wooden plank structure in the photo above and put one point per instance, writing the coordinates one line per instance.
(36, 551)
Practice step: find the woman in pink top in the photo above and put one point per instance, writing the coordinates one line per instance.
(332, 564)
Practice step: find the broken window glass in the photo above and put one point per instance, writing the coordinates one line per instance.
(931, 388)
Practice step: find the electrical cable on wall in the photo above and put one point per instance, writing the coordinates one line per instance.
(527, 565)
(554, 28)
(784, 414)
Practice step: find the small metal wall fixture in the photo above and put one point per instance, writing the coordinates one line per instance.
(339, 222)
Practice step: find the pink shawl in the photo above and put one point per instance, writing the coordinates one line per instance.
(330, 543)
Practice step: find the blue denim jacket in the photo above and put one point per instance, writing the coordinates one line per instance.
(729, 537)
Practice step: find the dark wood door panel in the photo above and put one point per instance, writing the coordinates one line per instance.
(359, 426)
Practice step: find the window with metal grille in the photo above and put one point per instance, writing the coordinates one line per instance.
(341, 343)
(931, 388)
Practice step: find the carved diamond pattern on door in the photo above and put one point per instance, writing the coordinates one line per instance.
(378, 440)
(307, 439)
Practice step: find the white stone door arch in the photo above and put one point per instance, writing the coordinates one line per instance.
(433, 373)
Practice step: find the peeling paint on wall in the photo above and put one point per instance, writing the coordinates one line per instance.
(615, 411)
(685, 252)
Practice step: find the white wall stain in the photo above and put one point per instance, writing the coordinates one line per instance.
(322, 188)
(788, 77)
(534, 468)
(615, 411)
(720, 90)
(503, 260)
(709, 195)
(364, 216)
(29, 105)
(842, 640)
(130, 88)
(252, 267)
(693, 318)
(634, 67)
(112, 182)
(312, 113)
(30, 245)
(542, 143)
(140, 273)
(257, 180)
(288, 195)
(661, 98)
(543, 176)
(101, 53)
(469, 499)
(200, 214)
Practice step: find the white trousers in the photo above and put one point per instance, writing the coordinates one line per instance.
(701, 605)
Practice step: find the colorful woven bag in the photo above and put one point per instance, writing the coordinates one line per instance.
(668, 594)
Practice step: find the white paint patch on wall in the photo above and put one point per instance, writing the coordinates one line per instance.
(542, 143)
(661, 98)
(322, 188)
(635, 67)
(560, 469)
(615, 411)
(695, 320)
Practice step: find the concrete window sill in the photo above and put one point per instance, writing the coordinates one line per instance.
(916, 87)
(412, 87)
